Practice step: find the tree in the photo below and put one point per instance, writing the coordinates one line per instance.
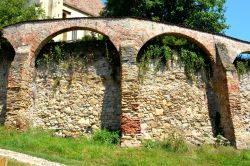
(14, 11)
(207, 15)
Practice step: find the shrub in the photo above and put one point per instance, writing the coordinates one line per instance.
(242, 67)
(106, 137)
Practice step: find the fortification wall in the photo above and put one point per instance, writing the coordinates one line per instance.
(77, 98)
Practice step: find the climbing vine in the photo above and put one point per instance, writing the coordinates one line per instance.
(160, 51)
(77, 54)
(242, 65)
(70, 57)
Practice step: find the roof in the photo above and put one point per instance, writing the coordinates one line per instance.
(91, 7)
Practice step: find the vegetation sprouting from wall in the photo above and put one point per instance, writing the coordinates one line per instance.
(242, 64)
(77, 54)
(77, 87)
(162, 50)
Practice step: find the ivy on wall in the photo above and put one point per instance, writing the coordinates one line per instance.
(163, 49)
(242, 64)
(77, 54)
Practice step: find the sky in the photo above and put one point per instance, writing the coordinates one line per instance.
(238, 17)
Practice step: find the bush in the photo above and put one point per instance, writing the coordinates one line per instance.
(106, 137)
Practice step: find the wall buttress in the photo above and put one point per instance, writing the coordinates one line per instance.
(130, 121)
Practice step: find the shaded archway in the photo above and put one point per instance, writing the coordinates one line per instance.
(76, 88)
(177, 95)
(7, 54)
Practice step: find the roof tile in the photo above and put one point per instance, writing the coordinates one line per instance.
(91, 7)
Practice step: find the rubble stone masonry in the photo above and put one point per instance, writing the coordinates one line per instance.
(173, 105)
(243, 129)
(76, 100)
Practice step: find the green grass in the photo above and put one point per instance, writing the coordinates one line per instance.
(83, 151)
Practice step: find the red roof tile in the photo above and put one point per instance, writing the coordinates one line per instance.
(91, 7)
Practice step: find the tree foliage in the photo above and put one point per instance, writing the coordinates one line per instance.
(14, 11)
(207, 15)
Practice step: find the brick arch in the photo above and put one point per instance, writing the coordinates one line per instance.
(236, 54)
(207, 88)
(39, 46)
(199, 43)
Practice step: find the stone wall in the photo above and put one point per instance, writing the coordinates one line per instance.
(243, 129)
(76, 99)
(85, 97)
(172, 105)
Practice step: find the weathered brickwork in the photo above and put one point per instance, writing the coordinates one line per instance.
(130, 122)
(128, 36)
(76, 100)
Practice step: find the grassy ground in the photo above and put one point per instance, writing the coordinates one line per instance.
(83, 151)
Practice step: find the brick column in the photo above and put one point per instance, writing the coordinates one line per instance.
(19, 94)
(226, 86)
(130, 122)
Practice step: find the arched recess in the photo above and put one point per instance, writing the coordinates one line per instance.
(242, 124)
(76, 87)
(172, 103)
(203, 46)
(7, 54)
(39, 46)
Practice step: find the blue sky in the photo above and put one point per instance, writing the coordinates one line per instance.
(238, 17)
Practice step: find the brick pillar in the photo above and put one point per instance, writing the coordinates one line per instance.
(130, 122)
(19, 93)
(226, 86)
